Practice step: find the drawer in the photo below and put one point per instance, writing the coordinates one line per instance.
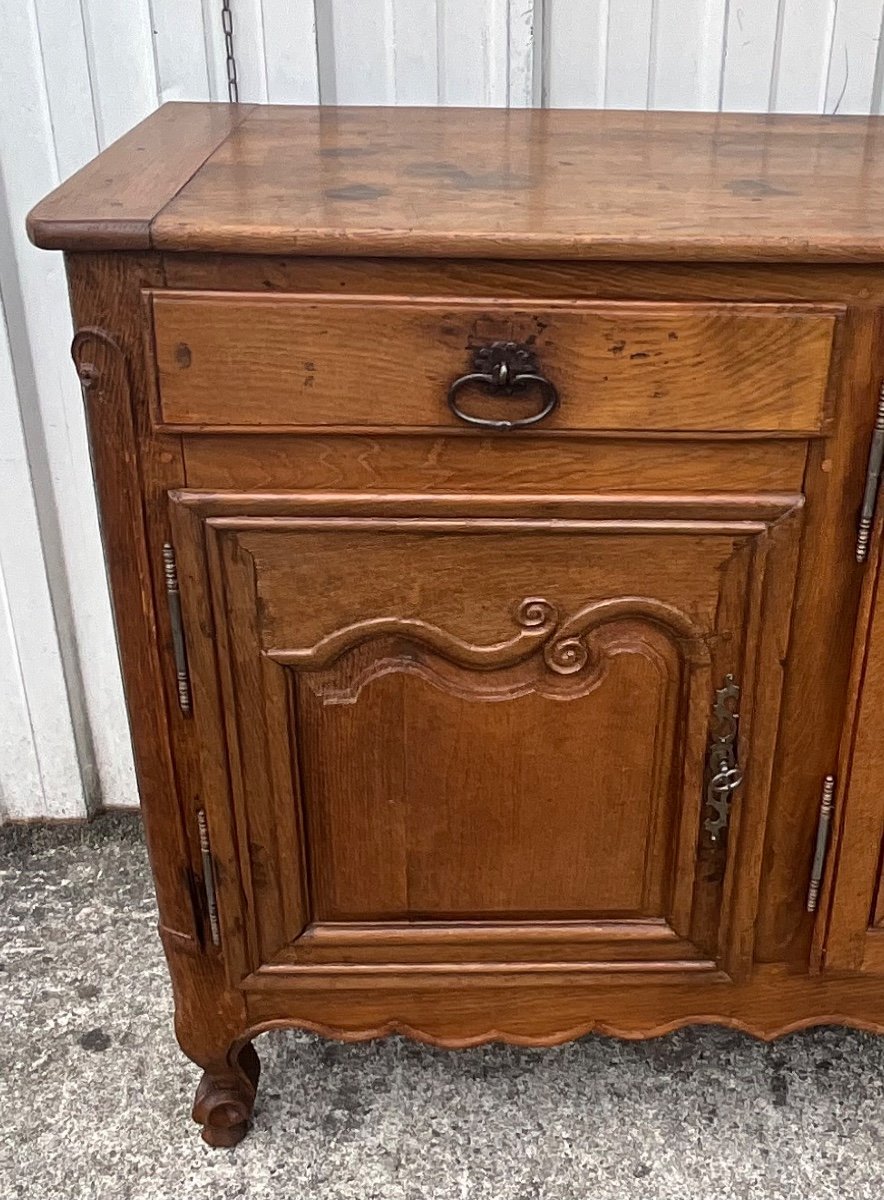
(255, 362)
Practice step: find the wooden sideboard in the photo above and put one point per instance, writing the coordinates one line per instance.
(490, 510)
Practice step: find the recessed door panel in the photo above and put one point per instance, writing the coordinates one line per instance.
(515, 794)
(474, 738)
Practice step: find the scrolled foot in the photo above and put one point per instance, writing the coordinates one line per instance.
(225, 1099)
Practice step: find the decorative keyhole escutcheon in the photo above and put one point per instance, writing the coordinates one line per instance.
(724, 773)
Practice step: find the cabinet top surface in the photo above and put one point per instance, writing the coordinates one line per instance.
(491, 183)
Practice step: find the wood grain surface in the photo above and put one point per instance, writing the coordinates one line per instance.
(484, 183)
(320, 361)
(112, 201)
(539, 184)
(390, 463)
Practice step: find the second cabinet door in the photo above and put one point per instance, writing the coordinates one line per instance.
(440, 733)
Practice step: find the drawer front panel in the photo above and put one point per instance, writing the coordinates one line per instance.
(253, 362)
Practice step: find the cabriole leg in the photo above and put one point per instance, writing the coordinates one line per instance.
(225, 1098)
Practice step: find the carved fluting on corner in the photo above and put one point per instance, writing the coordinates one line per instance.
(88, 364)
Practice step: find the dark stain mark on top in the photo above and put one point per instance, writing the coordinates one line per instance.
(346, 152)
(755, 189)
(433, 170)
(356, 191)
(183, 355)
(95, 1040)
(457, 177)
(617, 348)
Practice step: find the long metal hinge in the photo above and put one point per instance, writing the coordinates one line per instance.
(209, 878)
(873, 481)
(179, 649)
(824, 824)
(723, 773)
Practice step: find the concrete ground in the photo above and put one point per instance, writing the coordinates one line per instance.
(96, 1094)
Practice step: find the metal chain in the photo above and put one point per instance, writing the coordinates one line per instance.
(227, 26)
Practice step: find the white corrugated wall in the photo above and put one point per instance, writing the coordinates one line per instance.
(78, 73)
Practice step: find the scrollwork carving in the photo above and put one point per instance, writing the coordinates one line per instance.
(536, 613)
(535, 617)
(565, 644)
(566, 656)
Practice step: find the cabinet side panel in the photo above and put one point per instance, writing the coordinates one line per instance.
(132, 471)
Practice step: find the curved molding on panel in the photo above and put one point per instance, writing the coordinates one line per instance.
(567, 652)
(564, 643)
(535, 617)
(556, 1037)
(343, 683)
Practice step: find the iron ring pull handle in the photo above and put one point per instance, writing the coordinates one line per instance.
(506, 376)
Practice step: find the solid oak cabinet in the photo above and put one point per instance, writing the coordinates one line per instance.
(490, 509)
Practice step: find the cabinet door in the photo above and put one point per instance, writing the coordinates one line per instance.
(855, 937)
(439, 733)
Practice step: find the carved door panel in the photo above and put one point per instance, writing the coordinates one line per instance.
(439, 734)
